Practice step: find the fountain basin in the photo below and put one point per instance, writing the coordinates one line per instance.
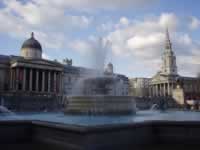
(101, 105)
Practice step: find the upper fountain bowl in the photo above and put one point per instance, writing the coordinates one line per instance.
(101, 105)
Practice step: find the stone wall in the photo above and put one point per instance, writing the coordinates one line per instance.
(21, 103)
(143, 136)
(143, 103)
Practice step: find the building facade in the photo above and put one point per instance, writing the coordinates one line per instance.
(163, 83)
(74, 75)
(30, 73)
(139, 87)
(168, 83)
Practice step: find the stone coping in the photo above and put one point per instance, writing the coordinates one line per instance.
(100, 137)
(100, 128)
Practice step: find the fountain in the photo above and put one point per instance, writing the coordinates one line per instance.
(99, 94)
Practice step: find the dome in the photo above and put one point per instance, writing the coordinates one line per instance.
(32, 43)
(110, 64)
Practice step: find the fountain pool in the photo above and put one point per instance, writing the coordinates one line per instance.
(57, 131)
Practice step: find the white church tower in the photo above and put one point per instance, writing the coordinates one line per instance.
(168, 59)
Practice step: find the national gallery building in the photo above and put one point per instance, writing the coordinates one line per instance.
(29, 73)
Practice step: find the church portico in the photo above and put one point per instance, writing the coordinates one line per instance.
(165, 80)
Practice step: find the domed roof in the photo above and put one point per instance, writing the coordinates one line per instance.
(110, 64)
(32, 43)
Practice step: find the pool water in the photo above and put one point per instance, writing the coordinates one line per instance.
(84, 120)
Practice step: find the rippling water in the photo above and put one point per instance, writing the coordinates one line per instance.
(105, 120)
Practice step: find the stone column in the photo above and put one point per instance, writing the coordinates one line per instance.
(24, 80)
(43, 81)
(153, 90)
(149, 90)
(37, 81)
(17, 79)
(164, 89)
(31, 80)
(54, 82)
(49, 81)
(168, 89)
(14, 78)
(11, 78)
(156, 89)
(161, 89)
(61, 83)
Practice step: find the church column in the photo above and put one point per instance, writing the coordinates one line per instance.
(43, 80)
(164, 89)
(168, 86)
(49, 81)
(149, 90)
(31, 80)
(153, 90)
(24, 80)
(37, 80)
(156, 89)
(160, 91)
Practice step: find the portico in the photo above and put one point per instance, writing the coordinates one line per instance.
(161, 89)
(40, 76)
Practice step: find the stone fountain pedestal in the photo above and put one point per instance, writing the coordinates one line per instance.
(101, 105)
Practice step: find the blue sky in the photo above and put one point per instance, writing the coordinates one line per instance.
(135, 29)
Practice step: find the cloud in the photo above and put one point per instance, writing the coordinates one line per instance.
(38, 15)
(54, 20)
(45, 56)
(96, 5)
(142, 41)
(140, 37)
(50, 24)
(82, 47)
(194, 23)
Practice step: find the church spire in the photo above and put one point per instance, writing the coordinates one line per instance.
(168, 59)
(168, 45)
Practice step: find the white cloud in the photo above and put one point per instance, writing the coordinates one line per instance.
(141, 37)
(83, 47)
(45, 56)
(39, 15)
(95, 5)
(194, 23)
(142, 41)
(50, 24)
(124, 21)
(168, 20)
